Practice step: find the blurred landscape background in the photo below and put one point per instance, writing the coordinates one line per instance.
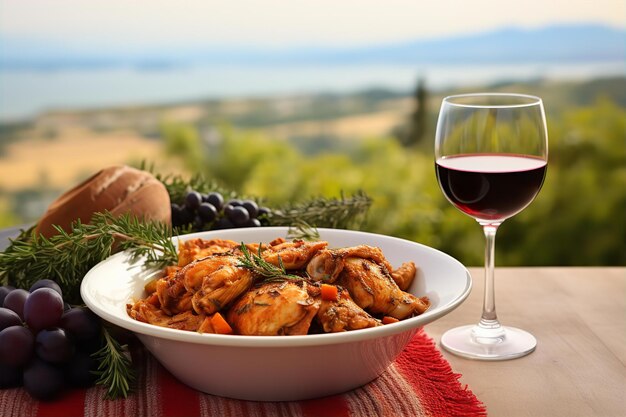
(285, 101)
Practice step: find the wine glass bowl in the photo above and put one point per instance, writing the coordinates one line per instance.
(491, 153)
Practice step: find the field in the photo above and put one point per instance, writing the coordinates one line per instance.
(74, 154)
(59, 149)
(330, 144)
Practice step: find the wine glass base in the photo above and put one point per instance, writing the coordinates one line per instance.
(512, 343)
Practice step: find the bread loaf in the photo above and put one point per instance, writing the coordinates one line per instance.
(118, 189)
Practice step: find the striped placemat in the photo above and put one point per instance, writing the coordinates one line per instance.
(419, 383)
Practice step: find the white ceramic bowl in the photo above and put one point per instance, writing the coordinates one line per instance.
(280, 368)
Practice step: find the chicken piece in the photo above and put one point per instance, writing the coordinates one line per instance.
(168, 272)
(215, 282)
(327, 264)
(293, 255)
(404, 275)
(275, 308)
(374, 290)
(173, 296)
(148, 313)
(343, 314)
(193, 275)
(193, 249)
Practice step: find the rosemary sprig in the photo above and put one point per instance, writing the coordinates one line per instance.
(260, 267)
(303, 231)
(66, 257)
(177, 186)
(342, 213)
(115, 369)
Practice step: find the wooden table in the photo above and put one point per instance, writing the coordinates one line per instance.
(578, 316)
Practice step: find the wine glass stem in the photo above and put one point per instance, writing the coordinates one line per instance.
(489, 318)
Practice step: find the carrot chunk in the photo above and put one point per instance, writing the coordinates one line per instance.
(389, 320)
(329, 292)
(206, 326)
(220, 325)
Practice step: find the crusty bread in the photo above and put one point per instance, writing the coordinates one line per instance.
(118, 189)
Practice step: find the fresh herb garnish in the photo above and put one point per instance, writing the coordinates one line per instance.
(259, 266)
(337, 213)
(303, 231)
(342, 213)
(115, 369)
(67, 256)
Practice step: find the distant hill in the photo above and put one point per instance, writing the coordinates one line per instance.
(564, 43)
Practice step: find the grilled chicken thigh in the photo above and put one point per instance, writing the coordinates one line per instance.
(194, 249)
(210, 284)
(148, 313)
(327, 264)
(293, 255)
(222, 282)
(373, 289)
(343, 314)
(275, 308)
(404, 275)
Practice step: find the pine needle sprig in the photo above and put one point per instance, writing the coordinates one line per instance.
(266, 271)
(67, 256)
(115, 369)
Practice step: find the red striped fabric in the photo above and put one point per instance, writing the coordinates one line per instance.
(420, 383)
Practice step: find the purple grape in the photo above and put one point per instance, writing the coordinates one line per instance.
(228, 209)
(176, 215)
(15, 301)
(207, 212)
(43, 309)
(9, 318)
(239, 216)
(43, 381)
(263, 211)
(193, 199)
(216, 200)
(235, 202)
(53, 345)
(4, 290)
(81, 324)
(46, 283)
(251, 207)
(16, 346)
(253, 223)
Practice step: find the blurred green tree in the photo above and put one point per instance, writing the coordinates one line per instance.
(413, 133)
(577, 219)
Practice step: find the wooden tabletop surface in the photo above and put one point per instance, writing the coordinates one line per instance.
(578, 316)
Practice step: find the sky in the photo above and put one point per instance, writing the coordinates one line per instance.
(286, 23)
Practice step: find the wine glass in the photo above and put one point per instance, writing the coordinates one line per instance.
(491, 154)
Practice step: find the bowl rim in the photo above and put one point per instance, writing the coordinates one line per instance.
(146, 329)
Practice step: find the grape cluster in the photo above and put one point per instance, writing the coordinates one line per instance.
(211, 212)
(45, 344)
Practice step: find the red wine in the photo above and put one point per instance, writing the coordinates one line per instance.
(490, 187)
